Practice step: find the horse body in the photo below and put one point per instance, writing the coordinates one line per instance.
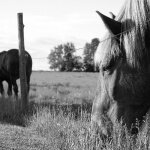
(124, 61)
(9, 70)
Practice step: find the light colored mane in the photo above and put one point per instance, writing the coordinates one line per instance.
(135, 18)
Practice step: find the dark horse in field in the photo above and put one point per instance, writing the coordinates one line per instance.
(9, 70)
(123, 57)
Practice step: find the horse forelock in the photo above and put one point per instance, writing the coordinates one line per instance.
(135, 18)
(106, 50)
(101, 52)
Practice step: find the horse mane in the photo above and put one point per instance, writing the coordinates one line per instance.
(135, 19)
(106, 51)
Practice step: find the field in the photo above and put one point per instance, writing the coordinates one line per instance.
(65, 87)
(59, 117)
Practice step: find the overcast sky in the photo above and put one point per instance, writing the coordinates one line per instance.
(52, 22)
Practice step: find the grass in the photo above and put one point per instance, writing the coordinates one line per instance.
(71, 86)
(48, 131)
(58, 117)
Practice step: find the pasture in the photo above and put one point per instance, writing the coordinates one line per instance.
(63, 87)
(59, 117)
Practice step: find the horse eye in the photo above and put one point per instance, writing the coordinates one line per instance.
(104, 68)
(108, 67)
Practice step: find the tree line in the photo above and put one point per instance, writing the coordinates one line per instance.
(63, 57)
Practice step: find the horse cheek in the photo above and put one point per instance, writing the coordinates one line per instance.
(113, 84)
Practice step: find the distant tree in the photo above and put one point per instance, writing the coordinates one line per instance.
(78, 64)
(68, 57)
(87, 59)
(62, 58)
(56, 58)
(88, 55)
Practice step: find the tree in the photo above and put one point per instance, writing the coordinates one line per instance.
(88, 55)
(78, 65)
(62, 58)
(56, 58)
(87, 59)
(68, 57)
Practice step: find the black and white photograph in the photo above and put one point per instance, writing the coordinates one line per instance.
(75, 75)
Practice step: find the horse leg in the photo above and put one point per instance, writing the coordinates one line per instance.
(2, 89)
(15, 88)
(9, 91)
(28, 84)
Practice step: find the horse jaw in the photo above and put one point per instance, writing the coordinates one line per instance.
(112, 25)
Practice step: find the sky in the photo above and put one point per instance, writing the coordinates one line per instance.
(49, 23)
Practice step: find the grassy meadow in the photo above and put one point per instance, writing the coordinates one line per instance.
(63, 87)
(58, 117)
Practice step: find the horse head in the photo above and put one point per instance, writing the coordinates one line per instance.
(124, 83)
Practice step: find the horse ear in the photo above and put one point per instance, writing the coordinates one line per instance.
(112, 25)
(112, 15)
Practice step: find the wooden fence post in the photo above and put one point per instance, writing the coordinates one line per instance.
(22, 68)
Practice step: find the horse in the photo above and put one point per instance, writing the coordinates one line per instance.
(9, 70)
(123, 57)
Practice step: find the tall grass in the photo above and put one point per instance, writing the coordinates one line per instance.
(46, 129)
(63, 132)
(58, 118)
